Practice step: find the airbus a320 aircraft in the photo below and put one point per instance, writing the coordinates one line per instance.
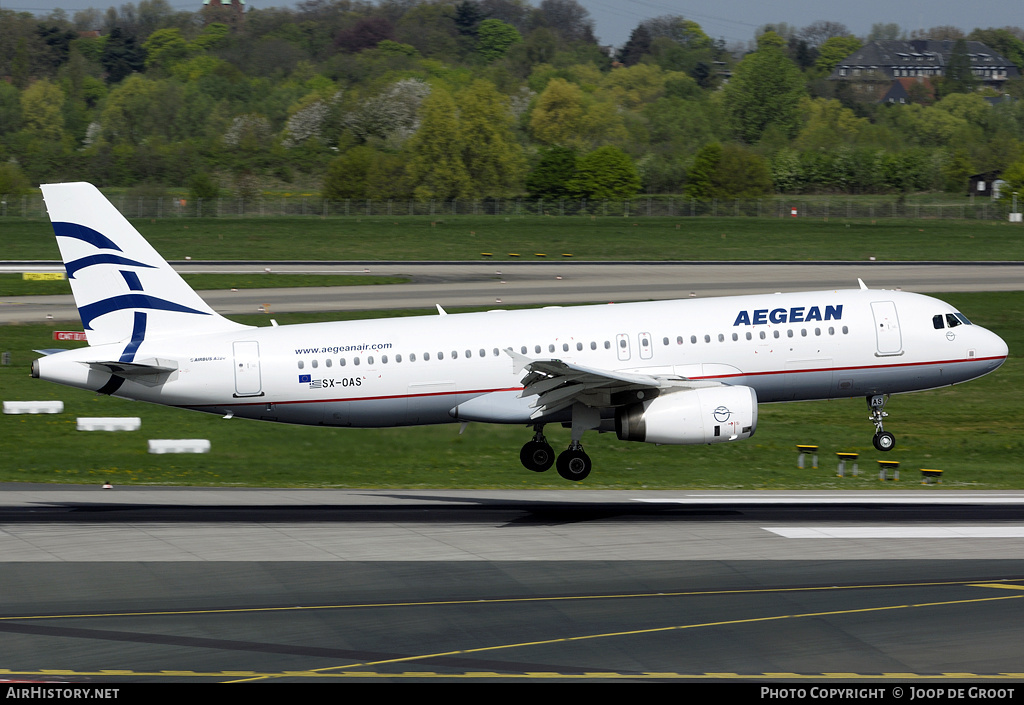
(672, 372)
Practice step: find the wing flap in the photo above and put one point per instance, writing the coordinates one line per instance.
(558, 384)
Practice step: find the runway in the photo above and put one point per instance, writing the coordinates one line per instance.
(505, 284)
(197, 585)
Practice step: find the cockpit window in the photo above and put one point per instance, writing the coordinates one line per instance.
(938, 322)
(952, 321)
(963, 319)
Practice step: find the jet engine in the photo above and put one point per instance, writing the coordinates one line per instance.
(693, 416)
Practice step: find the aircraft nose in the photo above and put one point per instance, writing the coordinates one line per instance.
(995, 349)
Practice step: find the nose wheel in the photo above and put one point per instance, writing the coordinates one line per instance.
(883, 440)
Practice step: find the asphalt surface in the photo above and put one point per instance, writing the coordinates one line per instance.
(173, 585)
(502, 284)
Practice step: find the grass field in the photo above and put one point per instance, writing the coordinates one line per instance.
(973, 432)
(587, 238)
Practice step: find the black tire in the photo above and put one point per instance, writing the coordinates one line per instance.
(537, 456)
(884, 441)
(573, 465)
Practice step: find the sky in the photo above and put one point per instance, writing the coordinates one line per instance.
(735, 21)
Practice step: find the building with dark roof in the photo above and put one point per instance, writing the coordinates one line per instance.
(885, 61)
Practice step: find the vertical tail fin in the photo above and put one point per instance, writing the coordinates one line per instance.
(124, 290)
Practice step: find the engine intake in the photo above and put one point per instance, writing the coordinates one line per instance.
(694, 416)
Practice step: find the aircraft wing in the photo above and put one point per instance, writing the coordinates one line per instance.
(558, 384)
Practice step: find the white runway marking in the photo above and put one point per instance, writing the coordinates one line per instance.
(898, 532)
(843, 498)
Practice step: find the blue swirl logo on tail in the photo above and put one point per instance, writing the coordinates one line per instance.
(116, 303)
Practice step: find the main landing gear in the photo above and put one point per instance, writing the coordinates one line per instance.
(537, 455)
(883, 440)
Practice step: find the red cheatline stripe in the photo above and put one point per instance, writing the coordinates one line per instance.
(516, 389)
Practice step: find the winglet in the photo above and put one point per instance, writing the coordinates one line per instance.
(863, 286)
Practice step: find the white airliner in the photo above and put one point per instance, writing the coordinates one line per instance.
(671, 372)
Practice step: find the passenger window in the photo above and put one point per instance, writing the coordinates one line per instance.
(369, 360)
(314, 364)
(301, 364)
(341, 362)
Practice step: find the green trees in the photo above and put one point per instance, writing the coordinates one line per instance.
(764, 92)
(342, 94)
(435, 152)
(727, 171)
(605, 173)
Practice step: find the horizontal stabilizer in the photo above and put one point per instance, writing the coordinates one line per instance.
(50, 351)
(147, 368)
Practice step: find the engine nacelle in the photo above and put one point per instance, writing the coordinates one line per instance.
(694, 416)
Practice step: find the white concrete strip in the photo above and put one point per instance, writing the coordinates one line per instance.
(897, 531)
(179, 445)
(894, 497)
(109, 423)
(34, 407)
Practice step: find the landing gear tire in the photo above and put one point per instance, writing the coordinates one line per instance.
(573, 464)
(537, 456)
(884, 441)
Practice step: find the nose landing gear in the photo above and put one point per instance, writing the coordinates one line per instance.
(883, 440)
